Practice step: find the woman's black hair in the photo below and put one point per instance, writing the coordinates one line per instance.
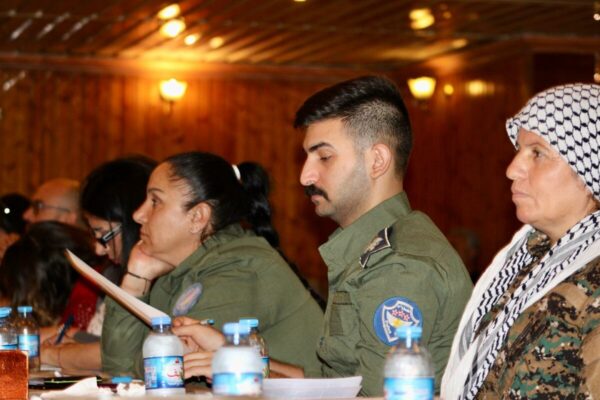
(35, 270)
(211, 179)
(12, 207)
(114, 190)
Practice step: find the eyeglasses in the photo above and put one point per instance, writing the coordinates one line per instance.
(108, 236)
(37, 206)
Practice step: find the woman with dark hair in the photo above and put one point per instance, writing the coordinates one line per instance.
(196, 259)
(109, 196)
(36, 272)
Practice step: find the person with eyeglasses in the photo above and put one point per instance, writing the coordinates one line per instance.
(208, 250)
(109, 196)
(56, 200)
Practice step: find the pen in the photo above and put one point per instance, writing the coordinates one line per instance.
(64, 328)
(206, 322)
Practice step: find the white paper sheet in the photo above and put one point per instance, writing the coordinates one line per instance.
(137, 307)
(319, 388)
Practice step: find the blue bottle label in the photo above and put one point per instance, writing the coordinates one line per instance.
(408, 388)
(266, 367)
(30, 344)
(163, 372)
(232, 384)
(8, 346)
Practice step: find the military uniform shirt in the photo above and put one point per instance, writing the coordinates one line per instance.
(552, 350)
(233, 274)
(390, 267)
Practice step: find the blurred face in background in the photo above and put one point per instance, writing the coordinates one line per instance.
(168, 230)
(53, 201)
(109, 241)
(547, 192)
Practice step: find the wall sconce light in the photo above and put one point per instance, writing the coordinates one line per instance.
(172, 90)
(448, 89)
(422, 88)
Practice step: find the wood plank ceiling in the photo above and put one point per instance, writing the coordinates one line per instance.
(324, 33)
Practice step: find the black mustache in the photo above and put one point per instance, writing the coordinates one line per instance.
(312, 190)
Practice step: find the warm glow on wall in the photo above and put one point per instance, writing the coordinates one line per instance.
(169, 12)
(172, 89)
(172, 28)
(448, 89)
(422, 88)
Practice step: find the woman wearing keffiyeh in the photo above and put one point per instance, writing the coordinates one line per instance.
(532, 326)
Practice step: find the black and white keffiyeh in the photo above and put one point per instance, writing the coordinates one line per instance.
(568, 118)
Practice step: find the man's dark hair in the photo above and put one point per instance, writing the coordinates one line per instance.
(371, 109)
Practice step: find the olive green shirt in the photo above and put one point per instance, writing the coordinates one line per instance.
(238, 274)
(390, 267)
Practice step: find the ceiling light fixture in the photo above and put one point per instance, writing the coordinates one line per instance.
(421, 18)
(448, 89)
(173, 27)
(169, 12)
(216, 42)
(191, 39)
(422, 88)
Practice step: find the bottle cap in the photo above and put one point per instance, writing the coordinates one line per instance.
(157, 321)
(404, 331)
(251, 322)
(121, 379)
(5, 311)
(24, 309)
(233, 328)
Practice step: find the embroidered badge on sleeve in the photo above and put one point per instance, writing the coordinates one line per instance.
(187, 299)
(392, 313)
(379, 242)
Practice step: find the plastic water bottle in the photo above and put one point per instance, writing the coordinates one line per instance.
(237, 366)
(258, 342)
(8, 337)
(408, 369)
(28, 336)
(163, 360)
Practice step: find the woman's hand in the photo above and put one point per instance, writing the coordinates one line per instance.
(142, 269)
(198, 364)
(197, 337)
(143, 264)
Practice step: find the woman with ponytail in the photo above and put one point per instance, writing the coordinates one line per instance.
(206, 251)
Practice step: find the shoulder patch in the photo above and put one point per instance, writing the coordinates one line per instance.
(187, 299)
(392, 313)
(380, 241)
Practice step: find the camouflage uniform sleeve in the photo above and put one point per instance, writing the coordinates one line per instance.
(388, 294)
(590, 350)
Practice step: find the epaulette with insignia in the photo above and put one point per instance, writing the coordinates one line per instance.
(380, 241)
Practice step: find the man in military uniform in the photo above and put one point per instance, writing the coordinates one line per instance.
(387, 264)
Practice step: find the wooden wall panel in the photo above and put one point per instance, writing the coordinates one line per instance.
(64, 123)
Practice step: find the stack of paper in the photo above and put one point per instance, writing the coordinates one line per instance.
(320, 388)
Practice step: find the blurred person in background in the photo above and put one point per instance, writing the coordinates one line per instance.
(532, 326)
(56, 200)
(109, 196)
(35, 270)
(208, 251)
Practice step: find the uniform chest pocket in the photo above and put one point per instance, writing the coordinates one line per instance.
(343, 318)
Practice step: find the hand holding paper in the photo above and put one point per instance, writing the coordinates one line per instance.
(137, 307)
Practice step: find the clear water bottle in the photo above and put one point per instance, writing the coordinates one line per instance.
(28, 336)
(258, 342)
(163, 360)
(409, 371)
(237, 366)
(8, 336)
